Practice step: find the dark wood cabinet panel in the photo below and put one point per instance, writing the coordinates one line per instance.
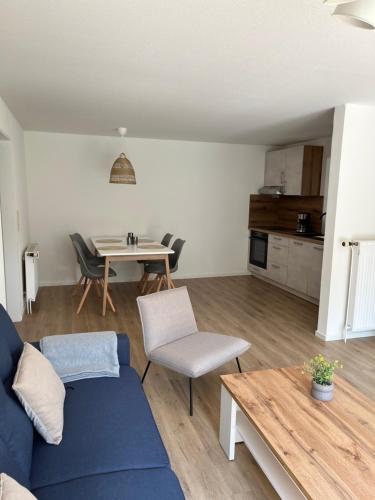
(312, 170)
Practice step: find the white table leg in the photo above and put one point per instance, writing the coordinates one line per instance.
(228, 416)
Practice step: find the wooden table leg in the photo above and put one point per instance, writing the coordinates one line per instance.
(167, 271)
(105, 286)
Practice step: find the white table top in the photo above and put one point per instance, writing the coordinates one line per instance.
(116, 246)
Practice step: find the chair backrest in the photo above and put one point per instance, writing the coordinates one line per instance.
(166, 316)
(81, 257)
(166, 239)
(173, 258)
(87, 252)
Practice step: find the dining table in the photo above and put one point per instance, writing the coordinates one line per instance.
(116, 249)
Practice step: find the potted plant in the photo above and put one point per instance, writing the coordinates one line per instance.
(322, 372)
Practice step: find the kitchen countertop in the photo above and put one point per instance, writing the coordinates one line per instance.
(288, 233)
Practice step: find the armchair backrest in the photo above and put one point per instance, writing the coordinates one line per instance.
(166, 316)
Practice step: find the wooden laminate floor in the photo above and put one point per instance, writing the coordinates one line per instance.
(279, 326)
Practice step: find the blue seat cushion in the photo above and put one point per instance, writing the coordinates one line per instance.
(108, 427)
(146, 484)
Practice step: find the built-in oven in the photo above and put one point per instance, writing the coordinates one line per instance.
(258, 249)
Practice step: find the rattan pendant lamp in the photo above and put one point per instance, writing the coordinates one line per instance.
(122, 171)
(359, 13)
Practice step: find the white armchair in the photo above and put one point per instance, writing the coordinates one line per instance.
(171, 337)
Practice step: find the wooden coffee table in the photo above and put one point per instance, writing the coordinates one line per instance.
(306, 448)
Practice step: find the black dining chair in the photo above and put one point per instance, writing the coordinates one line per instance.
(90, 273)
(89, 256)
(92, 259)
(142, 283)
(158, 267)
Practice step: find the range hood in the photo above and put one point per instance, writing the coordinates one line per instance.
(275, 190)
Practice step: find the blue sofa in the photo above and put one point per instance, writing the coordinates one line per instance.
(111, 447)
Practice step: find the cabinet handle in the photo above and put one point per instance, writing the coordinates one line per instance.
(277, 238)
(276, 248)
(275, 266)
(320, 249)
(298, 243)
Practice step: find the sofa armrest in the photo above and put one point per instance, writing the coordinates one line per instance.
(123, 349)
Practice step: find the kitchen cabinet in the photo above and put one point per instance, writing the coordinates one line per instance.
(314, 270)
(294, 170)
(293, 263)
(277, 259)
(275, 167)
(278, 254)
(297, 168)
(297, 266)
(277, 272)
(305, 267)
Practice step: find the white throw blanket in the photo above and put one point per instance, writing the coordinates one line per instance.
(82, 355)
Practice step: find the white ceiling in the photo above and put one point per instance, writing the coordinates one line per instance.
(242, 71)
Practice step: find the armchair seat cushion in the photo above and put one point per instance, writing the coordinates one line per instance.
(199, 353)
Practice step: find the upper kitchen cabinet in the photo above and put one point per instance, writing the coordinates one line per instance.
(275, 166)
(297, 168)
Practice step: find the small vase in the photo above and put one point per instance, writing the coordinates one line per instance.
(322, 392)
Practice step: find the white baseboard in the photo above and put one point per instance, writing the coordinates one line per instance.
(130, 280)
(350, 336)
(285, 288)
(210, 275)
(57, 283)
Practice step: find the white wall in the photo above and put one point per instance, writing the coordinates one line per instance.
(13, 200)
(350, 209)
(198, 191)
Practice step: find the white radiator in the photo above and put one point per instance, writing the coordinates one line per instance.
(361, 298)
(31, 274)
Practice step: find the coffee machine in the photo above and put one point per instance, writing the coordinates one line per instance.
(303, 222)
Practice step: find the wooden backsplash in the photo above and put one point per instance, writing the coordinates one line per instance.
(281, 211)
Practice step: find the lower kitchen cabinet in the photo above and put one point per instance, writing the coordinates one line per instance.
(314, 270)
(294, 264)
(277, 272)
(298, 266)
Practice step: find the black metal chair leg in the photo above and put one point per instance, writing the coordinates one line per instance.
(191, 395)
(238, 364)
(145, 373)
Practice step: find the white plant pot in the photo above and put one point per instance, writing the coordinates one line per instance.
(322, 392)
